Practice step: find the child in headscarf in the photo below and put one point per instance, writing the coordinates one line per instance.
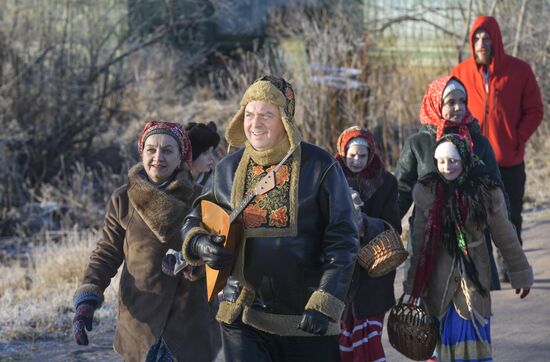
(443, 111)
(450, 265)
(375, 198)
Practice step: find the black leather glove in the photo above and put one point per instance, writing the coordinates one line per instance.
(314, 322)
(208, 249)
(83, 318)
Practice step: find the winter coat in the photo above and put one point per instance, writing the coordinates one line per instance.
(307, 265)
(382, 205)
(445, 282)
(512, 109)
(417, 160)
(370, 297)
(141, 224)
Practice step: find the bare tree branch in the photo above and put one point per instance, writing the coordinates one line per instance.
(27, 69)
(519, 28)
(405, 18)
(493, 7)
(466, 38)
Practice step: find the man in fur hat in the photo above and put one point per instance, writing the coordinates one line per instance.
(293, 266)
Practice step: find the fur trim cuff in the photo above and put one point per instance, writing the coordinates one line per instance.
(521, 279)
(185, 248)
(327, 304)
(282, 324)
(88, 292)
(228, 312)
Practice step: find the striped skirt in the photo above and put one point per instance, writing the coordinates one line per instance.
(361, 340)
(459, 340)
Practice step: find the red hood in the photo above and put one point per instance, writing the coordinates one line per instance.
(490, 24)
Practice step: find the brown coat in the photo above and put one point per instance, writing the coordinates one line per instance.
(445, 282)
(141, 224)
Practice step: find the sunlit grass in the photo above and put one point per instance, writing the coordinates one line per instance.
(36, 299)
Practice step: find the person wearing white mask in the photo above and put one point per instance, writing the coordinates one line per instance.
(449, 263)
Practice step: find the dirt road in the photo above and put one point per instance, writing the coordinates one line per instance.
(520, 329)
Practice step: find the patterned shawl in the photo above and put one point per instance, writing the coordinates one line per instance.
(456, 202)
(371, 177)
(172, 129)
(430, 110)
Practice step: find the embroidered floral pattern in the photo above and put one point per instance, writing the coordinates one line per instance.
(286, 88)
(270, 209)
(289, 93)
(279, 217)
(254, 216)
(257, 170)
(281, 176)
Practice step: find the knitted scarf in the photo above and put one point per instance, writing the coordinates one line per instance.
(456, 202)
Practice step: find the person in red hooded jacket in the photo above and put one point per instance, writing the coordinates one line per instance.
(504, 96)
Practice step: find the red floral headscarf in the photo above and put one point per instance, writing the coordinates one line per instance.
(172, 129)
(368, 180)
(430, 111)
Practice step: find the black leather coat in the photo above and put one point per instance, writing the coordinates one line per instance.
(285, 271)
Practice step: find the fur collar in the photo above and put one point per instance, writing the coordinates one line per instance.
(162, 211)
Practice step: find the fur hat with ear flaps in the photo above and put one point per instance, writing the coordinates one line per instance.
(270, 89)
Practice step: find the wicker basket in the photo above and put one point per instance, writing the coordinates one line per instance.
(411, 330)
(382, 254)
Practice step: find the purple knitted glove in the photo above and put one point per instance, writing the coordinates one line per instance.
(83, 317)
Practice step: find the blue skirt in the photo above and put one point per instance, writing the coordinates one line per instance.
(459, 340)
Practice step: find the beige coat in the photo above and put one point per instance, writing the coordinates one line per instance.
(141, 224)
(446, 279)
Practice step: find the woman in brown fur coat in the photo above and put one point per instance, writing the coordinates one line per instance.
(160, 317)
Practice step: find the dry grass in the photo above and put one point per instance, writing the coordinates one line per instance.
(36, 290)
(36, 300)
